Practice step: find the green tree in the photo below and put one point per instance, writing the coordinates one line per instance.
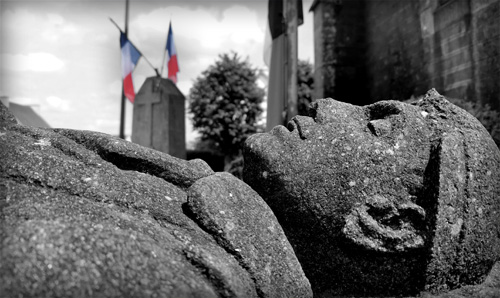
(225, 104)
(305, 87)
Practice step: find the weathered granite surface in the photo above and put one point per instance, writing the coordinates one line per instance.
(85, 214)
(387, 199)
(490, 288)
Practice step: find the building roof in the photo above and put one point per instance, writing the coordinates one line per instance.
(25, 115)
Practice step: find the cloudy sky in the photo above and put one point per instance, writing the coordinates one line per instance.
(63, 57)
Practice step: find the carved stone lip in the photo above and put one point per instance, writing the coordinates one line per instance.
(281, 132)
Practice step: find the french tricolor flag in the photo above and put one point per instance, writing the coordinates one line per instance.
(130, 56)
(173, 66)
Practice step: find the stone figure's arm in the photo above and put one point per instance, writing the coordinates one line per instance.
(242, 223)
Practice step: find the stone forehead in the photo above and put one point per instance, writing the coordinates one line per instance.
(382, 119)
(327, 110)
(432, 112)
(439, 109)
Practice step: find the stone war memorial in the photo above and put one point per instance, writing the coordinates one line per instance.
(158, 119)
(385, 200)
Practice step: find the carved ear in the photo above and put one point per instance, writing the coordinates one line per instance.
(383, 226)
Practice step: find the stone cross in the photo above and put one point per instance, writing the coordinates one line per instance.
(159, 117)
(148, 102)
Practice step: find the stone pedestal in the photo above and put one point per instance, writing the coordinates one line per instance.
(158, 120)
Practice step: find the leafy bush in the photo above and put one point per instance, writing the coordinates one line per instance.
(305, 87)
(225, 104)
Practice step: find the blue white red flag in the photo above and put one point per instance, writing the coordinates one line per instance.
(173, 66)
(130, 56)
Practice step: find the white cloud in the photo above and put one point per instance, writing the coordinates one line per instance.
(25, 101)
(58, 29)
(32, 31)
(245, 25)
(238, 25)
(115, 88)
(55, 19)
(184, 86)
(58, 103)
(19, 21)
(39, 62)
(199, 42)
(106, 125)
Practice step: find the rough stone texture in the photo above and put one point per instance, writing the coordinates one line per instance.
(386, 199)
(230, 210)
(490, 288)
(85, 214)
(130, 156)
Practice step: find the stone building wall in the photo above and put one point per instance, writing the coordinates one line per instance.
(398, 49)
(395, 53)
(339, 29)
(453, 49)
(486, 50)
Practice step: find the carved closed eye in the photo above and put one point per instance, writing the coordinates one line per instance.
(381, 225)
(384, 109)
(380, 115)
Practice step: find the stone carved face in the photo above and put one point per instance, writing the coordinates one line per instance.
(358, 191)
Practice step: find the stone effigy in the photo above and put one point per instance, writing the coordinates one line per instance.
(389, 199)
(85, 214)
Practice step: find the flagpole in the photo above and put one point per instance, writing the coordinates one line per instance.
(290, 13)
(286, 62)
(165, 50)
(142, 55)
(122, 111)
